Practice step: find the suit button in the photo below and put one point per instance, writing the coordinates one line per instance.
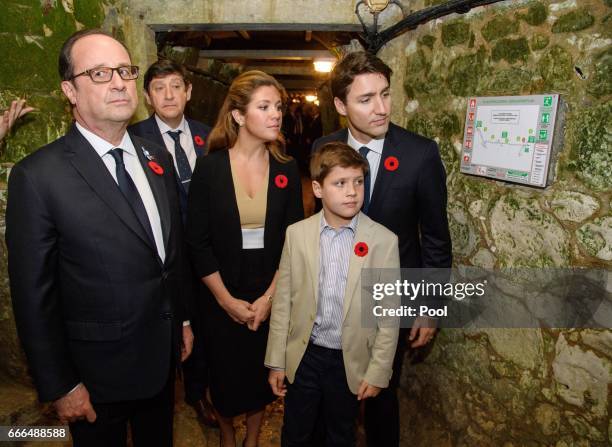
(304, 341)
(166, 316)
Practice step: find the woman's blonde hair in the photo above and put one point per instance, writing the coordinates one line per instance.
(225, 132)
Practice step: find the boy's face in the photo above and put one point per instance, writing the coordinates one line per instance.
(341, 194)
(168, 96)
(367, 106)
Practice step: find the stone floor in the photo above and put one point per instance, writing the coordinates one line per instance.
(19, 407)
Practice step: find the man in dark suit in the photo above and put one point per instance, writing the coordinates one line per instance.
(167, 90)
(405, 192)
(96, 264)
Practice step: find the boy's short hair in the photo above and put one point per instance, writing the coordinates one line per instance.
(352, 65)
(335, 154)
(164, 67)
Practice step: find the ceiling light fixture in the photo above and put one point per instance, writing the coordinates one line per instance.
(323, 65)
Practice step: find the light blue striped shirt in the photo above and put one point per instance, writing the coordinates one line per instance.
(335, 248)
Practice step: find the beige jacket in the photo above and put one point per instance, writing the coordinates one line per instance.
(368, 349)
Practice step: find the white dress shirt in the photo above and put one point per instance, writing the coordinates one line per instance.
(374, 155)
(136, 172)
(185, 139)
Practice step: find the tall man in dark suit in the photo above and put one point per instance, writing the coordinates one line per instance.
(405, 192)
(96, 265)
(167, 90)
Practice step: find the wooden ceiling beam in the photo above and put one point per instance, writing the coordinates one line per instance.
(267, 54)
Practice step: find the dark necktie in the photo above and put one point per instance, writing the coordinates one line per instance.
(182, 162)
(363, 150)
(128, 188)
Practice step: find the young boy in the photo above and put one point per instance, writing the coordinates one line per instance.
(317, 339)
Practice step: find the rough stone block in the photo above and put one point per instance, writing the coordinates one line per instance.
(455, 33)
(596, 238)
(582, 378)
(499, 27)
(573, 21)
(511, 50)
(573, 206)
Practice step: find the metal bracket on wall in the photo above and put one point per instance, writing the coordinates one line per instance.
(376, 40)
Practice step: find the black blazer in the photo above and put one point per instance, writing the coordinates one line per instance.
(213, 232)
(411, 200)
(149, 130)
(93, 301)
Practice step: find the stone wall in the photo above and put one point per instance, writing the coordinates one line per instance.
(521, 386)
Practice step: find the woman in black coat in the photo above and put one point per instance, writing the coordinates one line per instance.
(242, 197)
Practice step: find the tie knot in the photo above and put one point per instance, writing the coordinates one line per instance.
(175, 134)
(363, 150)
(117, 154)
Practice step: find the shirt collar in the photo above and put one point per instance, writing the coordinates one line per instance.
(164, 128)
(101, 146)
(351, 226)
(375, 144)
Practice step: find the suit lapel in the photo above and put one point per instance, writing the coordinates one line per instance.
(89, 164)
(158, 188)
(385, 177)
(356, 263)
(153, 132)
(197, 131)
(227, 181)
(311, 250)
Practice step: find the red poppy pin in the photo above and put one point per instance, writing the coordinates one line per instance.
(155, 167)
(281, 181)
(391, 163)
(199, 140)
(361, 249)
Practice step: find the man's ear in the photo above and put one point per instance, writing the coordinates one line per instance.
(340, 107)
(69, 90)
(188, 89)
(316, 189)
(147, 98)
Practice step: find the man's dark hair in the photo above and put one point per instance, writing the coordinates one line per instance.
(162, 68)
(66, 68)
(352, 65)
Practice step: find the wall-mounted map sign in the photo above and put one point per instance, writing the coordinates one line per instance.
(510, 137)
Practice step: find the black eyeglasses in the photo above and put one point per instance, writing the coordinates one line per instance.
(100, 75)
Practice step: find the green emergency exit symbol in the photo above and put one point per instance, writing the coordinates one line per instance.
(546, 117)
(543, 134)
(547, 101)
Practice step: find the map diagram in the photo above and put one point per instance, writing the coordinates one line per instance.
(510, 138)
(504, 137)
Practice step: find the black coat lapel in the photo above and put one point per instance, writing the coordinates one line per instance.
(275, 202)
(385, 177)
(89, 164)
(153, 132)
(158, 187)
(226, 181)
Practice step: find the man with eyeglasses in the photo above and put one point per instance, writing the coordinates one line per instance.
(98, 277)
